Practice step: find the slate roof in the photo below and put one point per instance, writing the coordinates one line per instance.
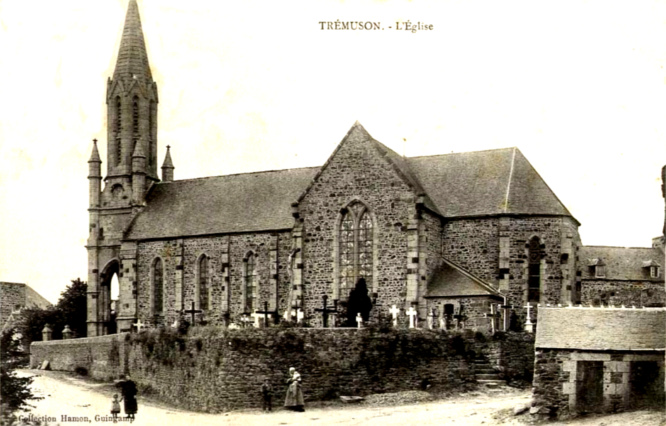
(132, 57)
(621, 263)
(451, 280)
(221, 204)
(480, 183)
(454, 185)
(601, 329)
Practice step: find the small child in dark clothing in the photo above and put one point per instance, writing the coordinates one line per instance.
(115, 407)
(267, 394)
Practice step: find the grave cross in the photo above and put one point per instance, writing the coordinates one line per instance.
(411, 312)
(493, 317)
(139, 325)
(299, 315)
(394, 311)
(257, 317)
(359, 320)
(529, 326)
(266, 312)
(325, 311)
(506, 315)
(460, 318)
(193, 311)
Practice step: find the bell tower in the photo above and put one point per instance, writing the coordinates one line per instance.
(131, 167)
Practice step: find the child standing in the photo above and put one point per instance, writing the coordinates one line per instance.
(267, 394)
(115, 407)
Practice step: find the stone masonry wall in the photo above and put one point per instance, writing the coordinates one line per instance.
(628, 293)
(229, 250)
(216, 370)
(357, 172)
(103, 357)
(12, 296)
(474, 245)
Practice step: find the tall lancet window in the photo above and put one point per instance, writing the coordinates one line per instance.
(117, 126)
(355, 247)
(135, 122)
(250, 282)
(534, 270)
(158, 287)
(203, 283)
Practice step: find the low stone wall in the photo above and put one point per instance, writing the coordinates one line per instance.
(513, 355)
(102, 358)
(216, 370)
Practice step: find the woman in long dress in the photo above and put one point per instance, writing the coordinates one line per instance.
(128, 391)
(294, 399)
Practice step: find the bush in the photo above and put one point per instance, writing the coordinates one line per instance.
(15, 391)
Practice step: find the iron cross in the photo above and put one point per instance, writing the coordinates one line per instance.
(325, 311)
(193, 311)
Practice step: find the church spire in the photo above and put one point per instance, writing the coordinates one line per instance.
(167, 166)
(132, 56)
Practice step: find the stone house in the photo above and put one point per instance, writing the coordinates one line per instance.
(451, 234)
(609, 359)
(17, 296)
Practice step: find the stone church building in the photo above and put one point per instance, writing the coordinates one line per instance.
(451, 233)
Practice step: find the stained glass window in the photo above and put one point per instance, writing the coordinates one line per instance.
(355, 247)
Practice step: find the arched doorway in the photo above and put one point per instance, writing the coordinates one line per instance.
(108, 297)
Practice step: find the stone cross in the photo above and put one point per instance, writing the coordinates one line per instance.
(325, 310)
(139, 325)
(257, 318)
(430, 320)
(506, 315)
(411, 312)
(359, 320)
(493, 316)
(193, 311)
(529, 326)
(442, 322)
(394, 311)
(299, 315)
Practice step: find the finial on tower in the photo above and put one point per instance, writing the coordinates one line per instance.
(94, 157)
(167, 166)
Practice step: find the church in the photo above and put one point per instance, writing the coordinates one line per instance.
(457, 236)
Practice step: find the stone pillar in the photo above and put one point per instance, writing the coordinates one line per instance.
(412, 262)
(504, 275)
(127, 278)
(179, 275)
(226, 291)
(47, 333)
(273, 273)
(66, 333)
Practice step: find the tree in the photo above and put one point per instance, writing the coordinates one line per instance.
(70, 310)
(14, 390)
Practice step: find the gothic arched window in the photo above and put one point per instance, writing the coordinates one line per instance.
(355, 247)
(203, 282)
(116, 128)
(534, 270)
(249, 282)
(158, 287)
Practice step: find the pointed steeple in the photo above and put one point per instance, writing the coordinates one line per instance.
(167, 166)
(94, 157)
(132, 56)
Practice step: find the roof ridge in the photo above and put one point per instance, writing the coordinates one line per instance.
(464, 152)
(240, 174)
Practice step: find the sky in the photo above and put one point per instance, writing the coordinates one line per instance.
(578, 86)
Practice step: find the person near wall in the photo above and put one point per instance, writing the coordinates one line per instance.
(128, 391)
(294, 399)
(267, 395)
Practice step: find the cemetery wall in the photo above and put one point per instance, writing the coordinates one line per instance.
(216, 369)
(512, 354)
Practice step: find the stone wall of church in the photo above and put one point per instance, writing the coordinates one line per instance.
(628, 293)
(188, 252)
(432, 240)
(474, 245)
(357, 172)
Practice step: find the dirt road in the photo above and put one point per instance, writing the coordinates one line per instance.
(84, 402)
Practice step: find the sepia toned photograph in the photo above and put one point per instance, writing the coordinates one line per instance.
(380, 212)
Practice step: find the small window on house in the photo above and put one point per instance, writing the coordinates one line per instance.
(655, 272)
(600, 271)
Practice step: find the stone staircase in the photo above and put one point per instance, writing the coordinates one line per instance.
(486, 375)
